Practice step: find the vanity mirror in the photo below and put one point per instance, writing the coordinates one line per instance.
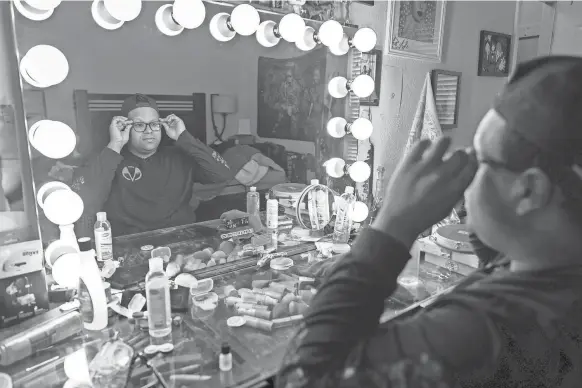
(240, 86)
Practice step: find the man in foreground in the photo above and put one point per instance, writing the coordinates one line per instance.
(518, 325)
(141, 185)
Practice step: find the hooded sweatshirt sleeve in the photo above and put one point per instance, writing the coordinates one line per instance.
(341, 344)
(210, 167)
(93, 181)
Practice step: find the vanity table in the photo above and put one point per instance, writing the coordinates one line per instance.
(197, 337)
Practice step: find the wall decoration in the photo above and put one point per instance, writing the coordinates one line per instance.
(291, 96)
(371, 65)
(313, 10)
(446, 86)
(370, 3)
(494, 54)
(416, 29)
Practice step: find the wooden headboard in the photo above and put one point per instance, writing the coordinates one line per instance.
(94, 112)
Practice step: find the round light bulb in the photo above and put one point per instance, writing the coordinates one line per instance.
(189, 13)
(63, 207)
(44, 5)
(291, 27)
(166, 23)
(360, 212)
(125, 10)
(330, 33)
(76, 367)
(45, 65)
(365, 39)
(342, 48)
(361, 128)
(66, 270)
(245, 19)
(219, 28)
(336, 127)
(103, 18)
(306, 40)
(266, 34)
(363, 86)
(47, 189)
(334, 167)
(338, 87)
(360, 171)
(53, 139)
(31, 12)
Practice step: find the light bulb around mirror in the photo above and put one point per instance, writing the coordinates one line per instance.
(44, 5)
(166, 23)
(66, 270)
(359, 171)
(47, 189)
(219, 27)
(334, 167)
(338, 87)
(103, 18)
(362, 86)
(30, 12)
(360, 212)
(361, 128)
(330, 33)
(126, 10)
(266, 34)
(306, 40)
(44, 65)
(342, 48)
(53, 139)
(63, 207)
(189, 14)
(365, 39)
(245, 19)
(291, 27)
(336, 127)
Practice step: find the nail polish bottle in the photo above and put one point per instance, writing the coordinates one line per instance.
(225, 358)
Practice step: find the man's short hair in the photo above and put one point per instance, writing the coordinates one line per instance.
(542, 107)
(138, 101)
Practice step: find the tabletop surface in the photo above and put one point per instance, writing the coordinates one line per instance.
(198, 334)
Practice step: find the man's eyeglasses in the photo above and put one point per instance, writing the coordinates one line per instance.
(155, 126)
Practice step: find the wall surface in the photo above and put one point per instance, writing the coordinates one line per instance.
(463, 22)
(568, 29)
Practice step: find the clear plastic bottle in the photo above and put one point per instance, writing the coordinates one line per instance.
(343, 220)
(312, 206)
(158, 299)
(253, 209)
(103, 238)
(272, 214)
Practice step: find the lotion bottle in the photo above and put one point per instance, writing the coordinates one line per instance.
(92, 298)
(225, 358)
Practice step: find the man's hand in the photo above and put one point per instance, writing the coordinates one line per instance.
(424, 189)
(119, 131)
(174, 126)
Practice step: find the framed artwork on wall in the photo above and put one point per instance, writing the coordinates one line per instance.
(415, 29)
(446, 86)
(371, 65)
(494, 54)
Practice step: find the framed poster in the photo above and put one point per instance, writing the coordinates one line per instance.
(372, 65)
(446, 87)
(415, 29)
(494, 54)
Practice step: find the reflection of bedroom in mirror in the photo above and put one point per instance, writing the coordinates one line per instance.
(165, 126)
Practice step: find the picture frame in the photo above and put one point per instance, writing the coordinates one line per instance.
(370, 3)
(415, 29)
(446, 87)
(494, 54)
(371, 64)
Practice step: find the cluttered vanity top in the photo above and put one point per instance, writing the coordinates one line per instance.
(252, 308)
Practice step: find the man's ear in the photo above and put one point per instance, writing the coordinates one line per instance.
(532, 191)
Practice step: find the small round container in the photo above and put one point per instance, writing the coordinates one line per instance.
(203, 306)
(281, 263)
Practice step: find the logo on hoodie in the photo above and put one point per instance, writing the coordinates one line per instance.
(131, 173)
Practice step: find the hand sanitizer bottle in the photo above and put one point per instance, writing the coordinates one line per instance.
(158, 299)
(103, 238)
(343, 220)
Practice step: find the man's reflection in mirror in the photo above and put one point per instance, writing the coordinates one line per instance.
(141, 184)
